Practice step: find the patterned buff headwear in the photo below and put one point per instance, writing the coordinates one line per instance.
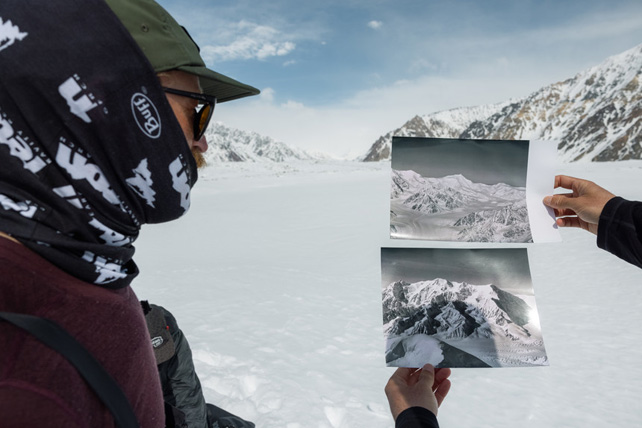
(89, 147)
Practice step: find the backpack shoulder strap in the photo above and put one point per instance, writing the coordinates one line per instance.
(55, 337)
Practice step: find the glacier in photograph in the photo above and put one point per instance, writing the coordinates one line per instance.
(453, 208)
(455, 324)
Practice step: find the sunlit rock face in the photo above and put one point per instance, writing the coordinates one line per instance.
(595, 115)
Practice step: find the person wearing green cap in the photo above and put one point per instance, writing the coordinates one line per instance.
(103, 107)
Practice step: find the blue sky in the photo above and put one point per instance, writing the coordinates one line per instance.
(335, 75)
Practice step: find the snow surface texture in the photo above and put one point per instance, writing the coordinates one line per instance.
(455, 324)
(595, 115)
(454, 208)
(274, 276)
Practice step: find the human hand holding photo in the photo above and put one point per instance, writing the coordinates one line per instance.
(426, 387)
(580, 208)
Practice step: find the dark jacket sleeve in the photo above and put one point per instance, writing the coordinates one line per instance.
(416, 417)
(620, 230)
(181, 387)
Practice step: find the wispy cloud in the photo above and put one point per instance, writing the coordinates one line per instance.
(422, 65)
(249, 41)
(375, 25)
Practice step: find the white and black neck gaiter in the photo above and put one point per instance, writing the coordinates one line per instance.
(89, 147)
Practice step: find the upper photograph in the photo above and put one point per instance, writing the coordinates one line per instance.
(463, 190)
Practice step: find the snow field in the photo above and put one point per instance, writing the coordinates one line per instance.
(274, 277)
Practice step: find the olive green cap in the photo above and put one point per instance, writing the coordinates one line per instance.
(168, 46)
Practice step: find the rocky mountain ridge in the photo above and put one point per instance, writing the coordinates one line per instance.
(431, 195)
(448, 310)
(233, 145)
(595, 115)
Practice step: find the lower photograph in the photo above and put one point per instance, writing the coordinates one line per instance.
(460, 308)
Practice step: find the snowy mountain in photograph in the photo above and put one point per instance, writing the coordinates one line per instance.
(233, 145)
(468, 325)
(455, 208)
(595, 116)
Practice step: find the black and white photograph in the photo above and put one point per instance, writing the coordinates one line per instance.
(461, 190)
(460, 308)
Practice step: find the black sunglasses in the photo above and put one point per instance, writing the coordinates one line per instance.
(203, 114)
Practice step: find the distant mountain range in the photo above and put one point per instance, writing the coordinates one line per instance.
(596, 116)
(454, 208)
(450, 311)
(233, 145)
(432, 195)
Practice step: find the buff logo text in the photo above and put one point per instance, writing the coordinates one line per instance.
(146, 115)
(9, 34)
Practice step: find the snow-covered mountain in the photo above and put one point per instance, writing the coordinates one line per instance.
(443, 124)
(462, 325)
(473, 212)
(449, 310)
(432, 195)
(596, 116)
(234, 145)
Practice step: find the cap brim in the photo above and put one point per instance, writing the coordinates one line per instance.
(218, 85)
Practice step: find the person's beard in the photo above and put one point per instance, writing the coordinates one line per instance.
(199, 158)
